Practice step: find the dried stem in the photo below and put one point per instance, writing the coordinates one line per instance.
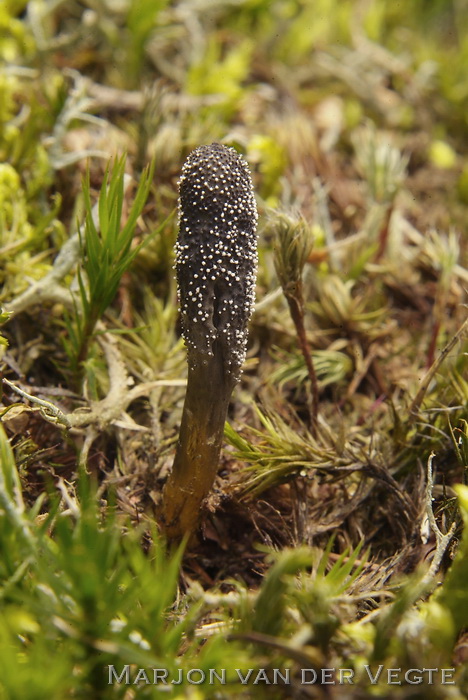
(296, 308)
(418, 399)
(294, 243)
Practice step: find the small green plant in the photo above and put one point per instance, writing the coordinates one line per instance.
(294, 240)
(303, 603)
(142, 19)
(279, 453)
(107, 252)
(79, 593)
(331, 366)
(384, 169)
(4, 317)
(381, 163)
(215, 74)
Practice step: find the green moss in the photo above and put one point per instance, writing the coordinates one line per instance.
(84, 578)
(15, 40)
(221, 74)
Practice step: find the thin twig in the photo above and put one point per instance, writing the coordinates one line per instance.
(296, 307)
(416, 403)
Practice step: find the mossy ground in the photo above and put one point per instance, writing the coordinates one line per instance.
(316, 544)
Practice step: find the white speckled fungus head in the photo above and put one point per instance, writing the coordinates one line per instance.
(216, 253)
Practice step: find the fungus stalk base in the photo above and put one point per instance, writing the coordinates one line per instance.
(209, 389)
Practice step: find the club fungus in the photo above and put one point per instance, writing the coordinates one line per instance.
(216, 265)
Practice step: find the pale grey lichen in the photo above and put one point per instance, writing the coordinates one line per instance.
(216, 253)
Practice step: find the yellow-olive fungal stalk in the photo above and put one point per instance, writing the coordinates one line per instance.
(216, 265)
